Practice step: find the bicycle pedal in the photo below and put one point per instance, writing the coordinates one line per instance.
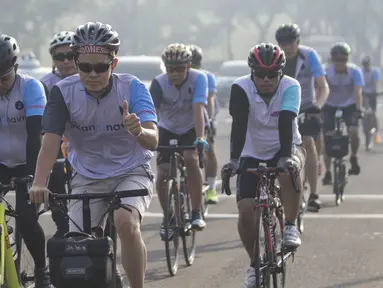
(10, 230)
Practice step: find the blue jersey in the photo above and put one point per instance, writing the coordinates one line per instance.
(26, 99)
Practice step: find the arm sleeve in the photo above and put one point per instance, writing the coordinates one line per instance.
(156, 92)
(358, 77)
(56, 114)
(34, 98)
(239, 111)
(141, 102)
(200, 89)
(291, 99)
(315, 64)
(33, 142)
(285, 129)
(212, 84)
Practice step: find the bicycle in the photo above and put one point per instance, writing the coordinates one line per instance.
(337, 147)
(272, 261)
(114, 199)
(177, 208)
(368, 120)
(11, 275)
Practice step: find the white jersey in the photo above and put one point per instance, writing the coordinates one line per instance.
(262, 136)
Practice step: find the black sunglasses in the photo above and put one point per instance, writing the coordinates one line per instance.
(62, 56)
(265, 73)
(98, 68)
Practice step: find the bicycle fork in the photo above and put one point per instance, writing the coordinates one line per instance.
(6, 255)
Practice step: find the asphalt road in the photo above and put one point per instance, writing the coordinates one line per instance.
(342, 246)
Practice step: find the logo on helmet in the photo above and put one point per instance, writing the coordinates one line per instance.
(92, 49)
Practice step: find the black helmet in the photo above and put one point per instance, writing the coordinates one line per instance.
(266, 56)
(340, 48)
(9, 50)
(287, 33)
(96, 34)
(366, 60)
(197, 55)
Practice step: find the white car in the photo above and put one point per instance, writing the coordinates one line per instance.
(227, 74)
(146, 68)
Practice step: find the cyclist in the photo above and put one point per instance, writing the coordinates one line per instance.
(63, 60)
(345, 81)
(110, 122)
(264, 106)
(303, 64)
(180, 96)
(22, 103)
(212, 109)
(371, 76)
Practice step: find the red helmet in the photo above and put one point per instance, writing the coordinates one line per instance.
(266, 56)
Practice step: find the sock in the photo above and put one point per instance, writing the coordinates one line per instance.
(211, 182)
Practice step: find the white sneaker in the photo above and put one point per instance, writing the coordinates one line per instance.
(291, 237)
(251, 279)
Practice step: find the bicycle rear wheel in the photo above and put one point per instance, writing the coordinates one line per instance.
(171, 226)
(260, 252)
(336, 189)
(188, 235)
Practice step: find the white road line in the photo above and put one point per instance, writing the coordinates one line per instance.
(307, 216)
(235, 216)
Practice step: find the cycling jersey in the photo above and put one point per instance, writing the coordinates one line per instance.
(308, 67)
(370, 77)
(100, 147)
(26, 99)
(176, 105)
(262, 135)
(51, 79)
(342, 85)
(212, 88)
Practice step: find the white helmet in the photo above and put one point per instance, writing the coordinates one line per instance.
(62, 38)
(177, 53)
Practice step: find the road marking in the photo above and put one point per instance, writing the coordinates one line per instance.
(307, 216)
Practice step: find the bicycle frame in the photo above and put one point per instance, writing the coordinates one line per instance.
(6, 254)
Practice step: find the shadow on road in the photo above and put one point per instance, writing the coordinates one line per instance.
(356, 283)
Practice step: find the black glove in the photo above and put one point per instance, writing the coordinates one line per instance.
(230, 168)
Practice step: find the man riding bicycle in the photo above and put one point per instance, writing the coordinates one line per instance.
(264, 106)
(371, 76)
(22, 105)
(303, 64)
(212, 109)
(180, 96)
(63, 59)
(110, 122)
(345, 81)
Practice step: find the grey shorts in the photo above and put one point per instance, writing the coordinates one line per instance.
(138, 178)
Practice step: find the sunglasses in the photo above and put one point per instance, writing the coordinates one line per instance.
(264, 73)
(62, 56)
(97, 68)
(340, 60)
(178, 69)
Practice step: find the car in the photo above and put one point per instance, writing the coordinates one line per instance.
(30, 65)
(36, 73)
(227, 74)
(146, 68)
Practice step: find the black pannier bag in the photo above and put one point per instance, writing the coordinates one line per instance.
(80, 260)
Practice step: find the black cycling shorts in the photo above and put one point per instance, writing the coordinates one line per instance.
(247, 182)
(372, 100)
(165, 136)
(349, 117)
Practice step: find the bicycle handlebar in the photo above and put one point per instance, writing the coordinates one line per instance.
(259, 171)
(180, 148)
(4, 188)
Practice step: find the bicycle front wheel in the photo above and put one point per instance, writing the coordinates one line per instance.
(171, 212)
(279, 273)
(260, 259)
(23, 259)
